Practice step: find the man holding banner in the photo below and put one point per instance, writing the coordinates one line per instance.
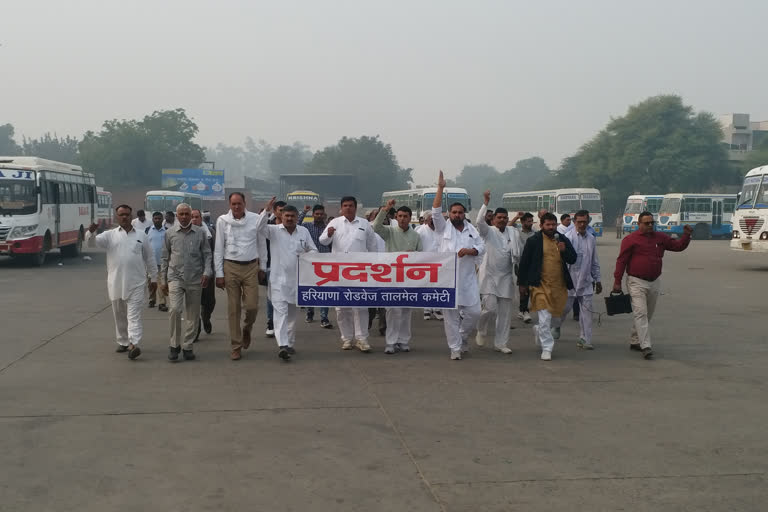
(462, 238)
(398, 237)
(350, 233)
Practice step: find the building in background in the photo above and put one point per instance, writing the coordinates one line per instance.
(741, 135)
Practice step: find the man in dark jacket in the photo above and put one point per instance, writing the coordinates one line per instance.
(544, 275)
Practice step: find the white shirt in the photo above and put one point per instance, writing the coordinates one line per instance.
(586, 270)
(141, 226)
(563, 229)
(430, 241)
(285, 249)
(355, 236)
(129, 260)
(503, 250)
(452, 240)
(237, 239)
(381, 245)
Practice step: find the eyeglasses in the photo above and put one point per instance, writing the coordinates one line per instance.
(649, 223)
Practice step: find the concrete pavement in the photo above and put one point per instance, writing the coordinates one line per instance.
(82, 428)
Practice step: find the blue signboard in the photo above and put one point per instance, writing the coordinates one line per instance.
(206, 182)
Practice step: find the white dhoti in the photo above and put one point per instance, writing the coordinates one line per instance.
(128, 316)
(496, 316)
(285, 322)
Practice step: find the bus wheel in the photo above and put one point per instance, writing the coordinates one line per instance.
(74, 250)
(37, 259)
(701, 232)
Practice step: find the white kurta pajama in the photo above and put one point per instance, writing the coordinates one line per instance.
(498, 285)
(584, 273)
(354, 236)
(429, 243)
(285, 248)
(460, 322)
(129, 260)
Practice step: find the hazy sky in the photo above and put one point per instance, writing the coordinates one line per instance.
(445, 82)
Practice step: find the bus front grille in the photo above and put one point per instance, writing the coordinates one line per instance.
(748, 225)
(4, 232)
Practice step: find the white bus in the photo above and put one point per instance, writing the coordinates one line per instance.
(750, 221)
(709, 214)
(419, 200)
(167, 200)
(638, 204)
(558, 201)
(44, 205)
(104, 209)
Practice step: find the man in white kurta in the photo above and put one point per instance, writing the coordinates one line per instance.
(350, 233)
(129, 260)
(430, 242)
(460, 237)
(585, 274)
(287, 241)
(498, 286)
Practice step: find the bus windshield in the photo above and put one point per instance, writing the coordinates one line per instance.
(751, 191)
(457, 198)
(163, 203)
(18, 197)
(653, 204)
(569, 203)
(670, 205)
(634, 207)
(591, 204)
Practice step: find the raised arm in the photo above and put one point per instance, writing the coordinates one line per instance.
(482, 227)
(378, 224)
(327, 234)
(437, 205)
(682, 243)
(93, 240)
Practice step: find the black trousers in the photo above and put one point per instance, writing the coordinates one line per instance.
(208, 299)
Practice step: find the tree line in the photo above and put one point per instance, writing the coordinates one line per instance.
(660, 145)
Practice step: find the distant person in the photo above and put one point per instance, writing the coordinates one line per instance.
(585, 275)
(430, 242)
(498, 285)
(156, 237)
(641, 256)
(544, 276)
(620, 226)
(459, 237)
(170, 219)
(186, 270)
(208, 296)
(526, 232)
(129, 260)
(287, 240)
(488, 217)
(141, 222)
(350, 233)
(236, 260)
(565, 223)
(316, 228)
(399, 236)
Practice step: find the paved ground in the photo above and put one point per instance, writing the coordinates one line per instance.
(84, 429)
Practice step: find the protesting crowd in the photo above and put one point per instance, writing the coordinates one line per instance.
(502, 263)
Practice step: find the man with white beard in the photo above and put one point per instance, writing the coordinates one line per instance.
(460, 237)
(497, 276)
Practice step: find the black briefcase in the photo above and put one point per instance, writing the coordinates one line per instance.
(617, 303)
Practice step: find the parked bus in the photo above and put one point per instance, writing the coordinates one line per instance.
(301, 198)
(750, 220)
(419, 200)
(167, 201)
(709, 214)
(635, 206)
(103, 209)
(44, 205)
(558, 201)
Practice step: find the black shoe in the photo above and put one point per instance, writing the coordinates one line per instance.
(291, 350)
(635, 346)
(576, 317)
(163, 308)
(121, 348)
(383, 331)
(134, 353)
(173, 353)
(325, 324)
(283, 354)
(188, 355)
(151, 303)
(207, 325)
(647, 353)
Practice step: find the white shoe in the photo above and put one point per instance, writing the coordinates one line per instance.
(520, 316)
(556, 333)
(347, 345)
(536, 336)
(404, 347)
(427, 316)
(438, 315)
(480, 339)
(270, 333)
(455, 356)
(527, 317)
(503, 350)
(546, 355)
(389, 349)
(363, 346)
